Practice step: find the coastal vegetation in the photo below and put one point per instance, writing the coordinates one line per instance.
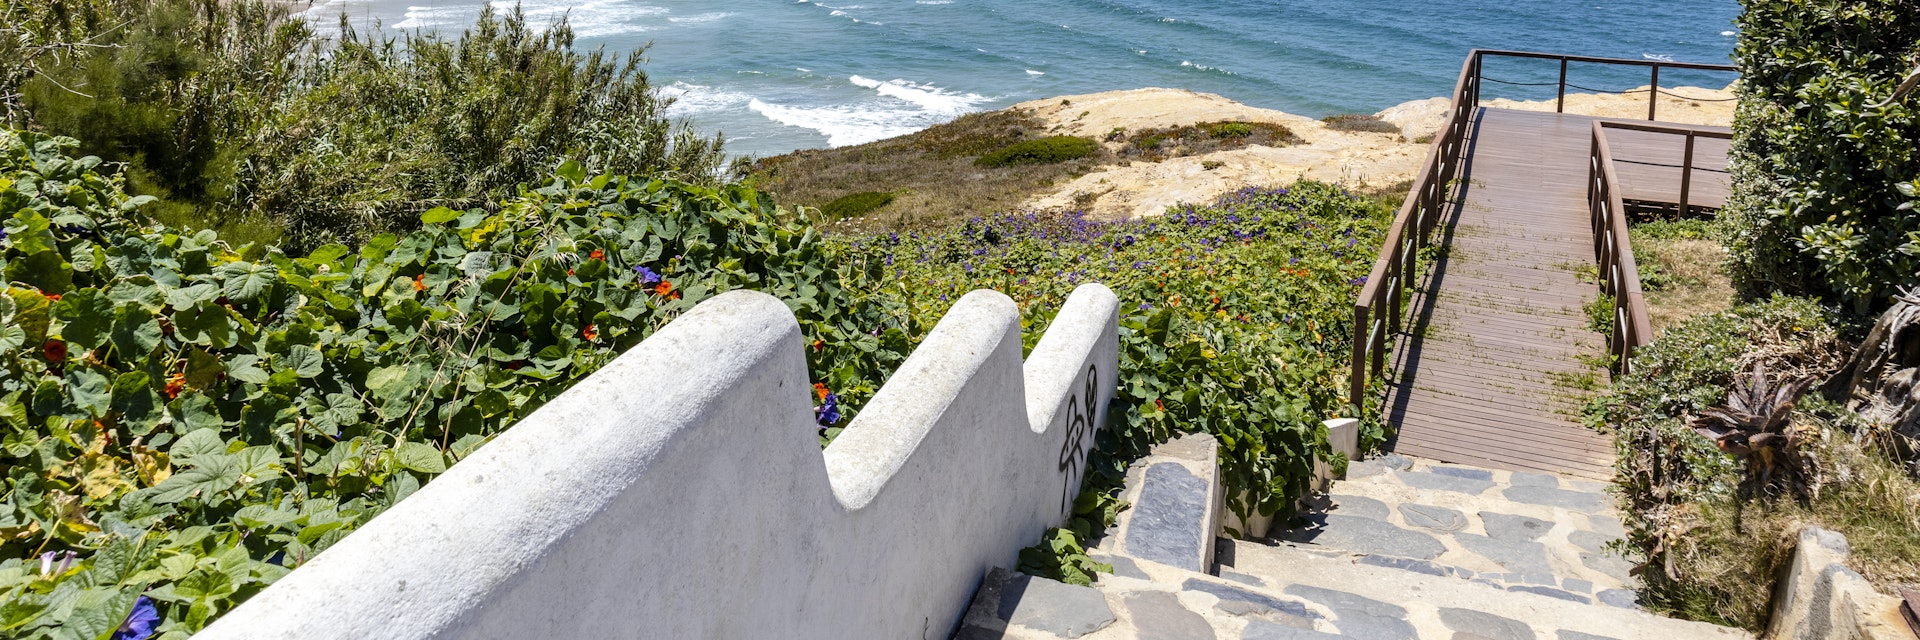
(1048, 150)
(938, 176)
(1732, 433)
(236, 117)
(1160, 143)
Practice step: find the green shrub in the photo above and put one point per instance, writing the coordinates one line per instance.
(855, 204)
(194, 420)
(1047, 150)
(1671, 478)
(1155, 145)
(231, 110)
(1230, 130)
(1824, 181)
(1360, 122)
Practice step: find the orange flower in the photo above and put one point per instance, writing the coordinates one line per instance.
(53, 297)
(1157, 405)
(664, 289)
(820, 390)
(420, 282)
(596, 254)
(175, 383)
(591, 332)
(817, 344)
(56, 351)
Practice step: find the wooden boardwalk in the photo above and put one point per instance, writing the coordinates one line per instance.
(1496, 357)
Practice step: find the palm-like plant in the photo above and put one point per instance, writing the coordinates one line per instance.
(1755, 426)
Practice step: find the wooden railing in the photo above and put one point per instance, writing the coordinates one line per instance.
(1619, 275)
(1377, 313)
(1653, 83)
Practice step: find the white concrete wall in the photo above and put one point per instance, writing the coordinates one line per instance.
(681, 492)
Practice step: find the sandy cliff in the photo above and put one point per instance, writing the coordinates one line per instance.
(1356, 158)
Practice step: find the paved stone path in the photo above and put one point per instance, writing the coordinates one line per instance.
(1403, 549)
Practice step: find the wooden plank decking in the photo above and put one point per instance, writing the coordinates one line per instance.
(1495, 360)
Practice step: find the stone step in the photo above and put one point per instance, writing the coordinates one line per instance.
(1362, 600)
(1512, 530)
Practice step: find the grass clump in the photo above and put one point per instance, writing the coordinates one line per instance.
(854, 205)
(1157, 144)
(1682, 267)
(1360, 122)
(1048, 150)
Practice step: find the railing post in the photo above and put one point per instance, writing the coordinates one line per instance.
(1653, 91)
(1560, 103)
(1686, 174)
(1357, 381)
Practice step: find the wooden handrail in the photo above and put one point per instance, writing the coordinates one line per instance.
(1377, 312)
(1619, 275)
(1653, 83)
(1686, 161)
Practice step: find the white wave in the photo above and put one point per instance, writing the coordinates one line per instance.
(1727, 33)
(430, 17)
(837, 12)
(1140, 51)
(802, 70)
(843, 125)
(692, 99)
(927, 97)
(1036, 73)
(704, 17)
(933, 1)
(595, 19)
(1657, 56)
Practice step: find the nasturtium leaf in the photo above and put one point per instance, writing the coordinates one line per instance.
(135, 332)
(439, 215)
(208, 474)
(91, 390)
(333, 412)
(86, 317)
(303, 361)
(12, 337)
(246, 280)
(206, 324)
(139, 406)
(186, 297)
(328, 253)
(421, 457)
(383, 378)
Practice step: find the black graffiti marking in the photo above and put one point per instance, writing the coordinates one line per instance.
(1080, 427)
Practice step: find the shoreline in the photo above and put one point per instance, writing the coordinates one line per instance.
(1354, 158)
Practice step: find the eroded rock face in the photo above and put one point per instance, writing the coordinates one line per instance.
(1878, 380)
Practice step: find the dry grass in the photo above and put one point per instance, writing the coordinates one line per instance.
(1731, 554)
(931, 173)
(1682, 269)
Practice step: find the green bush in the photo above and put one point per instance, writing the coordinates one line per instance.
(1039, 151)
(1825, 181)
(1670, 477)
(194, 420)
(855, 205)
(233, 111)
(1360, 122)
(1230, 130)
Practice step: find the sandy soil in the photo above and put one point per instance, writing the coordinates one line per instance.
(1140, 189)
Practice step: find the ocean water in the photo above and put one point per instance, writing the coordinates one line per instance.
(778, 75)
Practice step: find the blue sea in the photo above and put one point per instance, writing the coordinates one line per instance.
(778, 75)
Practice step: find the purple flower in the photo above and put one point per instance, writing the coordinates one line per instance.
(1146, 307)
(646, 275)
(828, 412)
(140, 622)
(1351, 242)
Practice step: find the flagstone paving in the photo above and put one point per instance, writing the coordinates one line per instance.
(1403, 549)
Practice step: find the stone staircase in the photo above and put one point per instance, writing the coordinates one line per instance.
(1403, 548)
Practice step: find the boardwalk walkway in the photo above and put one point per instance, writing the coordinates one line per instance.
(1496, 356)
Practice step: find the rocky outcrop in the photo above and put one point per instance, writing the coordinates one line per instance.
(1819, 598)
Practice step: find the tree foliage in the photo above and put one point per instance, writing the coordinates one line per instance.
(1826, 174)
